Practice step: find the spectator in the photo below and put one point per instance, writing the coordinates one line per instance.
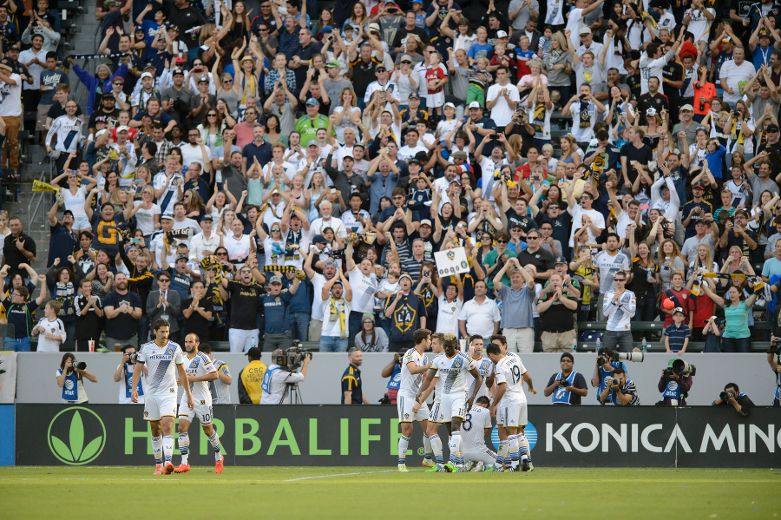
(517, 308)
(123, 311)
(370, 338)
(558, 310)
(165, 304)
(352, 384)
(736, 336)
(406, 313)
(480, 315)
(336, 295)
(18, 248)
(619, 308)
(275, 305)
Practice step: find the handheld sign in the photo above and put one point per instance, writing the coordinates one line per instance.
(451, 261)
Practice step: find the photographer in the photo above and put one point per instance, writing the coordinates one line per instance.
(619, 390)
(774, 360)
(675, 383)
(604, 369)
(280, 374)
(123, 375)
(567, 386)
(70, 377)
(732, 396)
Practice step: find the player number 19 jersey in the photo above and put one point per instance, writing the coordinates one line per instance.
(160, 367)
(510, 371)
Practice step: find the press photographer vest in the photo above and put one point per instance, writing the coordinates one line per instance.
(70, 388)
(561, 395)
(672, 390)
(127, 375)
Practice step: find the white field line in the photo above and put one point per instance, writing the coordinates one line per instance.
(315, 477)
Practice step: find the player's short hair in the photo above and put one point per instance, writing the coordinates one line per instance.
(474, 337)
(197, 337)
(618, 370)
(483, 400)
(438, 336)
(419, 335)
(498, 337)
(160, 322)
(494, 349)
(450, 340)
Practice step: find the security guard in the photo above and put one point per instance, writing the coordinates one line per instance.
(251, 377)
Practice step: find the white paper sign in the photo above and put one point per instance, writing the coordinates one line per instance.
(451, 261)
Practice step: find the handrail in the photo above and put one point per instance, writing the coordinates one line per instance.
(36, 199)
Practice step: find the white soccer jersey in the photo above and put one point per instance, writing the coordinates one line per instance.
(473, 428)
(451, 373)
(220, 391)
(486, 368)
(410, 383)
(199, 365)
(509, 371)
(160, 367)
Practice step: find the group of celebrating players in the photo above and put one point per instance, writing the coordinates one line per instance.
(453, 375)
(460, 384)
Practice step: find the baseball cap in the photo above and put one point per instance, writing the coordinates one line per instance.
(474, 104)
(178, 72)
(182, 257)
(501, 34)
(312, 102)
(332, 64)
(678, 310)
(319, 239)
(101, 132)
(450, 105)
(139, 29)
(166, 217)
(772, 128)
(688, 107)
(650, 111)
(146, 75)
(313, 143)
(405, 275)
(414, 95)
(459, 155)
(207, 217)
(584, 30)
(559, 260)
(123, 128)
(425, 222)
(203, 79)
(374, 27)
(276, 279)
(405, 57)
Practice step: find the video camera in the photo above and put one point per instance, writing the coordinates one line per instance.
(293, 357)
(680, 368)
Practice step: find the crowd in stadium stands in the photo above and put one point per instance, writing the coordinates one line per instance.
(289, 172)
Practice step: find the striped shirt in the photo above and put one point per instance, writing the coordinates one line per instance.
(677, 336)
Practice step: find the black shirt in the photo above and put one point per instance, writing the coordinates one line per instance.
(643, 155)
(197, 323)
(245, 305)
(542, 259)
(89, 325)
(62, 243)
(13, 257)
(557, 318)
(124, 326)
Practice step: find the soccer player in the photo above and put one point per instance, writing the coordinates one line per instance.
(484, 365)
(163, 359)
(200, 371)
(474, 431)
(449, 371)
(510, 407)
(413, 365)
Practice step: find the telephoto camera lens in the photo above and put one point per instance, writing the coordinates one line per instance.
(81, 365)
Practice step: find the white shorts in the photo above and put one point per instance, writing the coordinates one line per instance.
(159, 406)
(483, 455)
(512, 413)
(200, 409)
(241, 340)
(448, 407)
(404, 406)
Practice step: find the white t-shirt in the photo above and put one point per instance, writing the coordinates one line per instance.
(480, 317)
(699, 26)
(316, 228)
(573, 24)
(735, 76)
(55, 327)
(577, 213)
(145, 218)
(11, 97)
(363, 288)
(332, 325)
(501, 112)
(447, 315)
(584, 116)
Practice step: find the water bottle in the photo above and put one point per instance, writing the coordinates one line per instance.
(575, 346)
(599, 344)
(644, 345)
(218, 177)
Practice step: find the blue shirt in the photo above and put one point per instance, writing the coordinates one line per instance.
(677, 336)
(275, 308)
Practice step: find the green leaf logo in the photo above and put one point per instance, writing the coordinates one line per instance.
(79, 423)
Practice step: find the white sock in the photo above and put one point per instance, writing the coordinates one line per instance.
(168, 448)
(452, 455)
(157, 447)
(523, 447)
(436, 448)
(184, 446)
(402, 448)
(456, 447)
(503, 457)
(426, 447)
(214, 440)
(512, 441)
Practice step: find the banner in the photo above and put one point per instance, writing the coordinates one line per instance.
(368, 435)
(7, 377)
(451, 261)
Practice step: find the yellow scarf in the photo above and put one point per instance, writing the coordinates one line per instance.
(337, 312)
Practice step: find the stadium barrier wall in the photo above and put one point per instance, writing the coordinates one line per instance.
(362, 436)
(36, 376)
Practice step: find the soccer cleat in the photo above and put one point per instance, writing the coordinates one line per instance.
(182, 468)
(450, 467)
(429, 463)
(168, 468)
(527, 466)
(158, 469)
(436, 468)
(218, 466)
(489, 469)
(403, 468)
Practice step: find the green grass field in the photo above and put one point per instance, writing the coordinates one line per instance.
(378, 493)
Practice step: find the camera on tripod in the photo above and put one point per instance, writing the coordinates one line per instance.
(293, 358)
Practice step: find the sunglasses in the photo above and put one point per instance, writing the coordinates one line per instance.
(163, 280)
(501, 241)
(222, 254)
(532, 237)
(211, 115)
